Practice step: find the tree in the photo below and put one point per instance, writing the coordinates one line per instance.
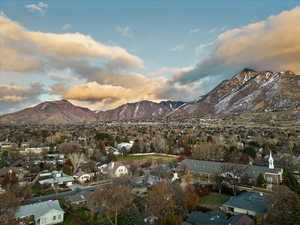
(283, 207)
(74, 153)
(190, 198)
(250, 151)
(136, 148)
(113, 200)
(9, 204)
(160, 200)
(10, 181)
(260, 181)
(290, 180)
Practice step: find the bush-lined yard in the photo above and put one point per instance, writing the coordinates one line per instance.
(213, 201)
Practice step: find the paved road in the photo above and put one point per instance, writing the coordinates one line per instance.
(64, 194)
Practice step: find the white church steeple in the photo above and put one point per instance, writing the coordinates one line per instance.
(271, 161)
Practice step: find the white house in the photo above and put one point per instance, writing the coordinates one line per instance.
(43, 213)
(125, 145)
(57, 177)
(116, 169)
(83, 177)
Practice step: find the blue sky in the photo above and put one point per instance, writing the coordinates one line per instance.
(163, 34)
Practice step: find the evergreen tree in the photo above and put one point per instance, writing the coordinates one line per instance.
(290, 181)
(260, 181)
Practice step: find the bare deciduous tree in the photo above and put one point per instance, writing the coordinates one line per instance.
(113, 200)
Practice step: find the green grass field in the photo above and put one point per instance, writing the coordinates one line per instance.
(213, 201)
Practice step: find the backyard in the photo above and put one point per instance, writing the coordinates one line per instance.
(213, 201)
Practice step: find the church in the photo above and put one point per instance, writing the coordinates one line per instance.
(271, 174)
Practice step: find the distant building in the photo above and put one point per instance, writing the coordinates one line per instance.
(216, 218)
(43, 213)
(125, 145)
(115, 169)
(56, 178)
(249, 203)
(208, 168)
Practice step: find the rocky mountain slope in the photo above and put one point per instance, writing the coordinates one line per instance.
(139, 110)
(52, 112)
(64, 112)
(248, 91)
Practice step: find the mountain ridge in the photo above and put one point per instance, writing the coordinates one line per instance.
(247, 91)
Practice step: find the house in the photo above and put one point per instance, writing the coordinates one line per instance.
(217, 218)
(57, 178)
(125, 145)
(83, 177)
(207, 168)
(77, 201)
(249, 203)
(114, 169)
(113, 150)
(43, 213)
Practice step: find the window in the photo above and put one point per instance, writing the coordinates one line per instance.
(54, 217)
(38, 222)
(59, 216)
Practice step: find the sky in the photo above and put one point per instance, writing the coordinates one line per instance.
(101, 54)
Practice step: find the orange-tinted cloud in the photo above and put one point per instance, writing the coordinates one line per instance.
(273, 44)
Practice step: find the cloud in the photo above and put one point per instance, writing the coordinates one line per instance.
(195, 30)
(178, 48)
(67, 27)
(125, 31)
(29, 51)
(39, 8)
(13, 97)
(272, 44)
(200, 48)
(58, 89)
(107, 96)
(168, 70)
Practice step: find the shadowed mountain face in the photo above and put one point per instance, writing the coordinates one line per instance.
(54, 112)
(140, 110)
(248, 91)
(64, 112)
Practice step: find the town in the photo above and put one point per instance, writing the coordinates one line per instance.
(149, 173)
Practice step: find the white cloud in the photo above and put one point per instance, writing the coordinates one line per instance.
(200, 48)
(39, 8)
(67, 26)
(195, 30)
(178, 48)
(125, 31)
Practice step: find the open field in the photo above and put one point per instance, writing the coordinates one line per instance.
(144, 158)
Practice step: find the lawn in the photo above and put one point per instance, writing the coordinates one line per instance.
(213, 201)
(147, 158)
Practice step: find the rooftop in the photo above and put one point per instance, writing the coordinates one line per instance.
(38, 209)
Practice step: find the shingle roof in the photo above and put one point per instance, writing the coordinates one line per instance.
(208, 218)
(57, 180)
(38, 209)
(250, 201)
(201, 166)
(241, 220)
(216, 218)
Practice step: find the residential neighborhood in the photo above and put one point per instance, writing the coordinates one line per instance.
(179, 174)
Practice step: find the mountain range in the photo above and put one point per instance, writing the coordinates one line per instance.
(247, 91)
